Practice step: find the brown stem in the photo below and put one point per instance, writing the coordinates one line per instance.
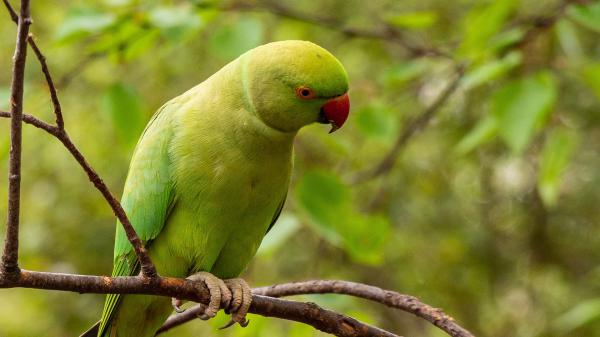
(10, 256)
(308, 313)
(384, 33)
(390, 298)
(147, 267)
(410, 129)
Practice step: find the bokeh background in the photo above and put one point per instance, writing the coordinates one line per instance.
(490, 212)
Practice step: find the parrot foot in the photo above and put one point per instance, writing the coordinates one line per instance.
(240, 302)
(220, 295)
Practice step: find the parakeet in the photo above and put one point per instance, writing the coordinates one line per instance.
(210, 174)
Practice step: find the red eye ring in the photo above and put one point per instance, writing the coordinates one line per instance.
(304, 92)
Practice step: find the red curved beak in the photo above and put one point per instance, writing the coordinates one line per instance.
(336, 111)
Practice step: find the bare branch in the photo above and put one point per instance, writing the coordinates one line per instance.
(147, 267)
(410, 129)
(384, 33)
(390, 298)
(45, 70)
(308, 313)
(10, 256)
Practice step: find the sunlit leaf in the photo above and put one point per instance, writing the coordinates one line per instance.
(582, 314)
(482, 23)
(140, 45)
(485, 130)
(415, 20)
(521, 106)
(175, 22)
(591, 76)
(122, 103)
(587, 15)
(554, 159)
(491, 70)
(569, 40)
(231, 40)
(79, 24)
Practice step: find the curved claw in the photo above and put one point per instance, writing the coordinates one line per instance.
(176, 303)
(219, 293)
(240, 303)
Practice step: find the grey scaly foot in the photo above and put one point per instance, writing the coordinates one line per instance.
(240, 302)
(219, 295)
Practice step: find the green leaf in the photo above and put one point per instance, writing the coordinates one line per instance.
(376, 121)
(286, 226)
(231, 40)
(554, 159)
(327, 201)
(482, 23)
(522, 106)
(569, 40)
(82, 23)
(122, 103)
(485, 130)
(175, 22)
(401, 73)
(491, 70)
(365, 236)
(582, 314)
(414, 20)
(591, 76)
(586, 15)
(325, 198)
(139, 46)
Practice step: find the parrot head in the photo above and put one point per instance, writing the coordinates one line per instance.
(291, 84)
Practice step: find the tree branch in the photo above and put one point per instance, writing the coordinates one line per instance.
(10, 256)
(390, 298)
(147, 267)
(411, 128)
(308, 313)
(385, 32)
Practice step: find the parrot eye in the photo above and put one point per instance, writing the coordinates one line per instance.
(305, 92)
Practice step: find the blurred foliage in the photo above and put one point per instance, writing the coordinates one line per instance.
(490, 213)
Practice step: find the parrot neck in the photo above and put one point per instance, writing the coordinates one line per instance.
(238, 115)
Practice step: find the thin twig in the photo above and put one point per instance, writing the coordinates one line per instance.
(385, 32)
(390, 298)
(10, 256)
(45, 70)
(410, 129)
(147, 267)
(308, 313)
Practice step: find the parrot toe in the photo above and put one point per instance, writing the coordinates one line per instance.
(240, 303)
(220, 295)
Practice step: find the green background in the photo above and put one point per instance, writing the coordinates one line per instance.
(490, 213)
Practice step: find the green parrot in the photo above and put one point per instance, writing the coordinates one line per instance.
(210, 174)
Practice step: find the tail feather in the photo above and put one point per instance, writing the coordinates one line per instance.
(92, 332)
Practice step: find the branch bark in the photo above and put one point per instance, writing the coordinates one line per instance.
(411, 128)
(147, 267)
(387, 297)
(308, 313)
(385, 32)
(10, 256)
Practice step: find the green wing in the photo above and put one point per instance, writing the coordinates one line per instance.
(277, 213)
(147, 199)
